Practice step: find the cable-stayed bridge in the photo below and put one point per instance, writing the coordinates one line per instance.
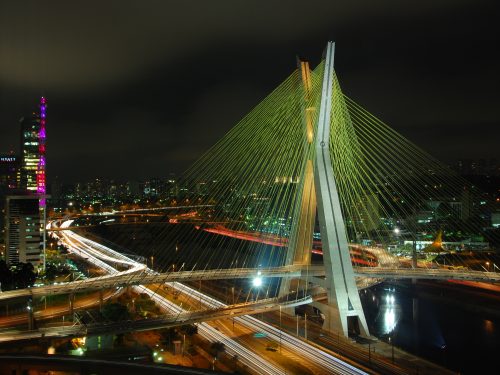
(307, 160)
(139, 276)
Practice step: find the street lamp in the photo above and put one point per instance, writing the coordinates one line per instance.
(280, 328)
(232, 289)
(305, 326)
(369, 352)
(29, 308)
(297, 316)
(183, 343)
(257, 283)
(392, 348)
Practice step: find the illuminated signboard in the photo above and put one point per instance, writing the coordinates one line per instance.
(8, 159)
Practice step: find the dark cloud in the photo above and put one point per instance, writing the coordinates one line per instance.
(140, 88)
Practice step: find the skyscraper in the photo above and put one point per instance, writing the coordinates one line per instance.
(23, 234)
(9, 172)
(33, 150)
(9, 183)
(25, 212)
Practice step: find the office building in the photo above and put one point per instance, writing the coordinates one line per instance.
(9, 172)
(23, 239)
(33, 137)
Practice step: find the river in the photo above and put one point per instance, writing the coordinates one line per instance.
(454, 325)
(450, 324)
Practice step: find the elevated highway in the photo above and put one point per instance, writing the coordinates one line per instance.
(314, 357)
(169, 320)
(139, 276)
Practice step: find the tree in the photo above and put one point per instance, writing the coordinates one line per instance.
(216, 348)
(6, 278)
(24, 275)
(169, 335)
(5, 275)
(115, 312)
(189, 329)
(50, 272)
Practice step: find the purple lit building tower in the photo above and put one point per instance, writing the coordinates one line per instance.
(40, 173)
(26, 210)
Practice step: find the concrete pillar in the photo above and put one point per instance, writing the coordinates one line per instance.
(71, 299)
(101, 299)
(301, 237)
(30, 310)
(341, 284)
(321, 193)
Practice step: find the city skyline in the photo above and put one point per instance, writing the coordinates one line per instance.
(428, 71)
(263, 188)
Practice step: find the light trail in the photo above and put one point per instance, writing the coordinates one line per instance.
(136, 273)
(313, 354)
(248, 357)
(251, 359)
(278, 241)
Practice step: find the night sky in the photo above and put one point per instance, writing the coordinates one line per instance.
(142, 88)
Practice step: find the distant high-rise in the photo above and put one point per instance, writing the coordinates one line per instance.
(9, 172)
(33, 150)
(23, 234)
(481, 167)
(9, 183)
(25, 208)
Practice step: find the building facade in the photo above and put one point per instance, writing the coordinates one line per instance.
(33, 135)
(9, 172)
(23, 230)
(23, 192)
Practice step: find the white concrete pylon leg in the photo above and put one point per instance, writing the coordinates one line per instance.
(342, 290)
(301, 238)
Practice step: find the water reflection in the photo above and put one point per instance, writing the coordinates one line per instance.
(425, 321)
(489, 326)
(390, 312)
(389, 320)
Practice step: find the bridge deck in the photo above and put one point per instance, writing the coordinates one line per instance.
(141, 276)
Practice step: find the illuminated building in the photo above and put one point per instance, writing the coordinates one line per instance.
(23, 242)
(9, 172)
(22, 228)
(33, 135)
(9, 182)
(40, 173)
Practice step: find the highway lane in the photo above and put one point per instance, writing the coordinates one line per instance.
(137, 275)
(249, 358)
(59, 310)
(307, 351)
(326, 360)
(136, 272)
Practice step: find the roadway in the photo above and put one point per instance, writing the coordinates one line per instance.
(137, 275)
(246, 356)
(50, 312)
(166, 321)
(136, 272)
(315, 356)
